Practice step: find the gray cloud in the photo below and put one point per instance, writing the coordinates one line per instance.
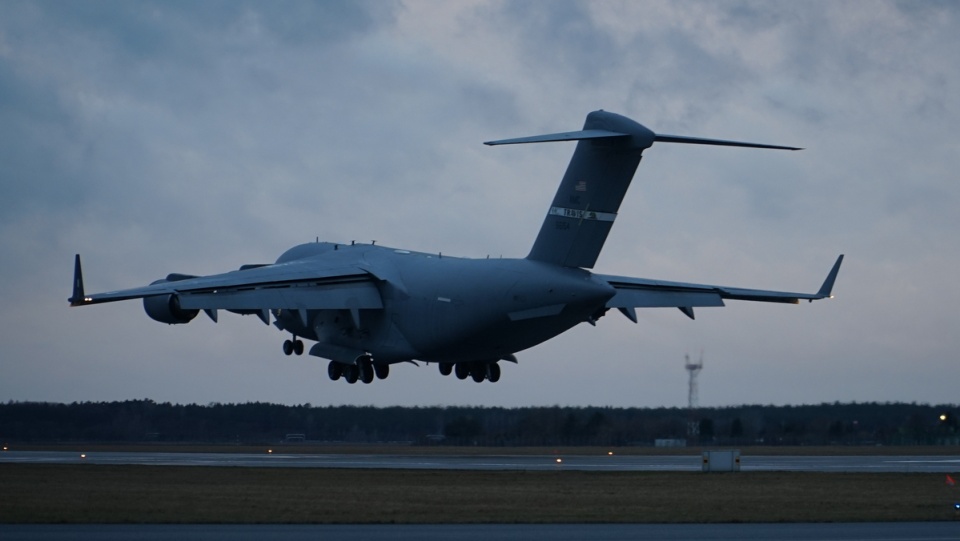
(159, 137)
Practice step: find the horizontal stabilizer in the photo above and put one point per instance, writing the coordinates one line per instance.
(564, 136)
(718, 142)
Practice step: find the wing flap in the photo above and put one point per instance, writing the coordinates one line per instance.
(358, 295)
(653, 298)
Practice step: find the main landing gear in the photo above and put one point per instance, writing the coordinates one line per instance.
(294, 346)
(363, 370)
(477, 370)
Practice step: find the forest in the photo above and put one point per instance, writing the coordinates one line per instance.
(256, 422)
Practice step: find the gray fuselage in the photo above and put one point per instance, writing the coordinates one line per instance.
(448, 309)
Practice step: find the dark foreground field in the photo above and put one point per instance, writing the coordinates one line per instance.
(134, 494)
(393, 449)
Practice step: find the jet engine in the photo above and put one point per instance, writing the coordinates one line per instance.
(166, 308)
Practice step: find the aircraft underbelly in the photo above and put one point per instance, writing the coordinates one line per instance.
(507, 337)
(521, 305)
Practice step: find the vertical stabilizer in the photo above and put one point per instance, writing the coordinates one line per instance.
(589, 196)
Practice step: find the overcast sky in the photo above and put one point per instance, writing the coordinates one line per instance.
(158, 137)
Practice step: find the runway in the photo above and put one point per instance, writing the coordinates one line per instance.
(902, 531)
(506, 462)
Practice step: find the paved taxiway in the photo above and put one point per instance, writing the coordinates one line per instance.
(902, 531)
(923, 464)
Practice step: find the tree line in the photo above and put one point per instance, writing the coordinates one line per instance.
(258, 422)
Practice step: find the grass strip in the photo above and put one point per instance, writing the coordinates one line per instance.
(39, 493)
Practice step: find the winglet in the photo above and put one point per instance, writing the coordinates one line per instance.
(827, 286)
(78, 298)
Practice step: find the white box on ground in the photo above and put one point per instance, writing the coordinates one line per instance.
(721, 460)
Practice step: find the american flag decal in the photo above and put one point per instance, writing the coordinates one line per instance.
(581, 186)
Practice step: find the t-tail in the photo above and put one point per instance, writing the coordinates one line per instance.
(608, 152)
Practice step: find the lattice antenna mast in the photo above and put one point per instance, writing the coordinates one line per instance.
(693, 399)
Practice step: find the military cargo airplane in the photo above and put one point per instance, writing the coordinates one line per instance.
(368, 307)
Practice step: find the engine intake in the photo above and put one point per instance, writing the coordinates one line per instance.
(166, 309)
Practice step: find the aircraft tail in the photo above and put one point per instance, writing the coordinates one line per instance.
(608, 152)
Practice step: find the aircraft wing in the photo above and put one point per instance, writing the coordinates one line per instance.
(644, 293)
(295, 285)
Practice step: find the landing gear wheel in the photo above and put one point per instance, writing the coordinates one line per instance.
(478, 372)
(334, 370)
(287, 347)
(446, 369)
(350, 373)
(366, 369)
(382, 370)
(462, 370)
(493, 372)
(298, 347)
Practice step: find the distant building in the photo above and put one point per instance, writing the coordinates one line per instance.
(669, 442)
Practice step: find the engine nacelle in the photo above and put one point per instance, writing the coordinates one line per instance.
(166, 309)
